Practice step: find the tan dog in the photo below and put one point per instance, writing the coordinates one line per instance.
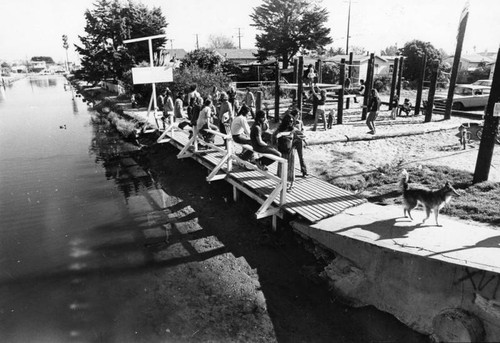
(430, 200)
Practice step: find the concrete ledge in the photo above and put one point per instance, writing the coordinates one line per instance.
(412, 271)
(369, 137)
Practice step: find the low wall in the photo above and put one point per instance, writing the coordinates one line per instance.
(451, 302)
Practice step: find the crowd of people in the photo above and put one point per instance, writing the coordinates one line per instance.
(222, 111)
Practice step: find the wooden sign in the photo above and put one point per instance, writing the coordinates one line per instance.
(152, 75)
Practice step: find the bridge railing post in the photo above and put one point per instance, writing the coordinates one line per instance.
(284, 180)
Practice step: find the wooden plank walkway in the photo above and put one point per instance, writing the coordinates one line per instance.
(310, 198)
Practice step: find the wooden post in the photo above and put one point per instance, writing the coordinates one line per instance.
(420, 85)
(300, 84)
(393, 82)
(490, 130)
(351, 59)
(369, 85)
(277, 93)
(340, 99)
(258, 101)
(349, 75)
(295, 70)
(400, 77)
(456, 62)
(319, 70)
(432, 91)
(236, 194)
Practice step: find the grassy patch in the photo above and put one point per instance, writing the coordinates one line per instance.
(478, 202)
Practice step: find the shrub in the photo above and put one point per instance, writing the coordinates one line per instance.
(205, 80)
(382, 83)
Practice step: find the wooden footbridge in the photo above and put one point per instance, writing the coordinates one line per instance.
(310, 198)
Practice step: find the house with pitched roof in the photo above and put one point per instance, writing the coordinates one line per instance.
(383, 65)
(238, 56)
(470, 62)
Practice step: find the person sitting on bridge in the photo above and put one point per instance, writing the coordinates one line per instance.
(240, 131)
(259, 126)
(205, 121)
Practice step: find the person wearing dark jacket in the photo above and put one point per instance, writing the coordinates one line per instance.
(373, 108)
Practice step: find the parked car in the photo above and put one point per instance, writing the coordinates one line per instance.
(483, 83)
(466, 96)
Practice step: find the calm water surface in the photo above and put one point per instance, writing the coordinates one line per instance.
(64, 194)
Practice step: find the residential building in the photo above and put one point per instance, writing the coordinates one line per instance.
(238, 56)
(470, 62)
(383, 65)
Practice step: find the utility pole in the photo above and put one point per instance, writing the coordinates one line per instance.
(456, 59)
(490, 130)
(239, 38)
(197, 45)
(66, 46)
(348, 25)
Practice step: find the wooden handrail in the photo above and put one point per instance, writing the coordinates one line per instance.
(229, 156)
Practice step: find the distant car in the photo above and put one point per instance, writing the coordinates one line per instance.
(466, 96)
(483, 83)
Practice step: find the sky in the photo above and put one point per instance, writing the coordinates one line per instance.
(35, 27)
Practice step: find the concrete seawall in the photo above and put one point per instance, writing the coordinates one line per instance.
(441, 281)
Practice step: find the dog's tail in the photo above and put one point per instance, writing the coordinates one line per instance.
(404, 180)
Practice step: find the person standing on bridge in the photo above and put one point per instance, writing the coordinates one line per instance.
(168, 107)
(225, 113)
(249, 101)
(259, 126)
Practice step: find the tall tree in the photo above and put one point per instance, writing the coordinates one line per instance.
(220, 42)
(413, 52)
(357, 50)
(108, 24)
(288, 26)
(203, 58)
(391, 50)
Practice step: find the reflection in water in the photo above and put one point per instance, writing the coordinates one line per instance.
(43, 82)
(75, 107)
(118, 157)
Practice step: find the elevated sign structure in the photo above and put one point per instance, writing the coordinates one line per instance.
(151, 74)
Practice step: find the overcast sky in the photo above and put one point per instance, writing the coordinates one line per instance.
(34, 27)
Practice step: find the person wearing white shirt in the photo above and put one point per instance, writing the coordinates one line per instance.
(240, 131)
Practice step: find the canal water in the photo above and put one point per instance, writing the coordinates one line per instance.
(78, 213)
(65, 187)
